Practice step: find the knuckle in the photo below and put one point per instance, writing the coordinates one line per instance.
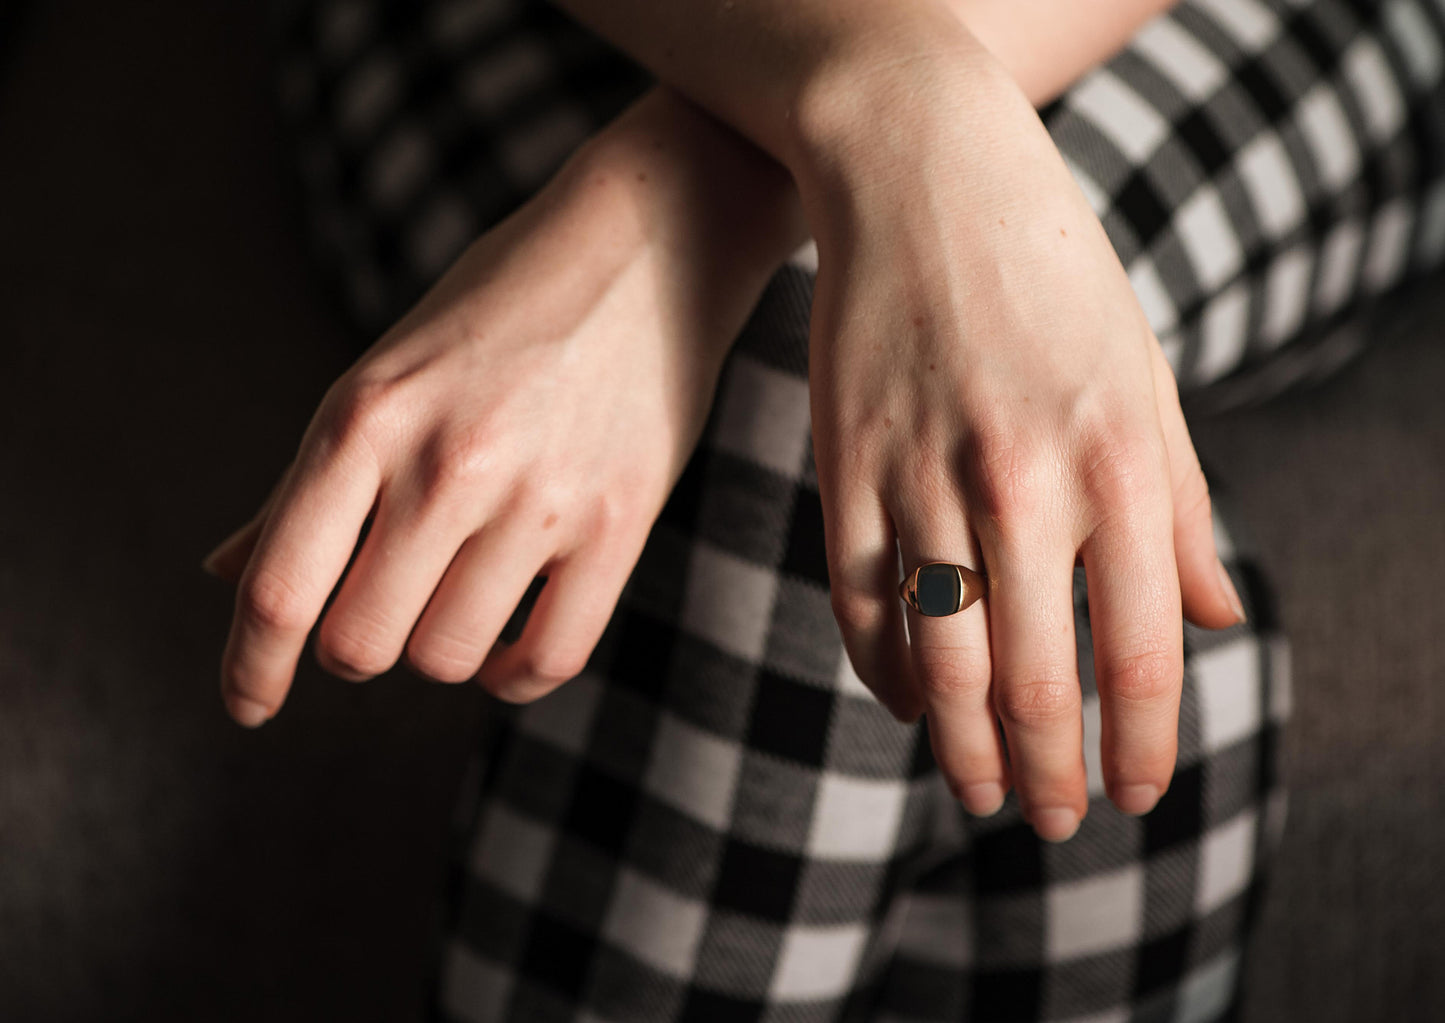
(250, 686)
(551, 668)
(459, 459)
(951, 670)
(1144, 677)
(607, 513)
(269, 601)
(1120, 473)
(1191, 497)
(524, 689)
(1007, 473)
(444, 660)
(354, 652)
(1040, 701)
(507, 689)
(925, 476)
(857, 611)
(361, 409)
(536, 675)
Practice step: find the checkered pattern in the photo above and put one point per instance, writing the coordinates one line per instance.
(716, 821)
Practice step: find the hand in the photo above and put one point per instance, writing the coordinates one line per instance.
(529, 416)
(985, 385)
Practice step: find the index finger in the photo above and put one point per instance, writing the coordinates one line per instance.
(301, 553)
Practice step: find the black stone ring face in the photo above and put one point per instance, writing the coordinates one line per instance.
(941, 588)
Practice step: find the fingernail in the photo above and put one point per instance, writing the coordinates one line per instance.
(1230, 592)
(982, 799)
(1135, 799)
(247, 713)
(1055, 823)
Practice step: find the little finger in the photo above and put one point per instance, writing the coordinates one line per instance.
(1138, 634)
(567, 621)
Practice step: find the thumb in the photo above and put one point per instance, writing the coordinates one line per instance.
(1209, 597)
(228, 560)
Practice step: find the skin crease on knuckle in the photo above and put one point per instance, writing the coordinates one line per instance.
(458, 461)
(348, 648)
(1144, 678)
(444, 658)
(1043, 699)
(858, 612)
(952, 672)
(1123, 472)
(267, 600)
(1008, 469)
(243, 684)
(359, 411)
(1191, 496)
(540, 674)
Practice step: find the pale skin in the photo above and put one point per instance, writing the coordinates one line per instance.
(984, 389)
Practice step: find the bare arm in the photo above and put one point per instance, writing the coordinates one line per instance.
(1048, 44)
(751, 62)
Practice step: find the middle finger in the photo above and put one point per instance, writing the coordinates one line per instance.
(1036, 678)
(413, 538)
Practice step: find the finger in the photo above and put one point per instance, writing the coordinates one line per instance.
(862, 551)
(951, 660)
(1035, 677)
(1138, 634)
(228, 559)
(567, 621)
(414, 537)
(301, 552)
(1209, 597)
(475, 598)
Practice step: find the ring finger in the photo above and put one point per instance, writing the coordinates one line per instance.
(951, 662)
(476, 597)
(412, 540)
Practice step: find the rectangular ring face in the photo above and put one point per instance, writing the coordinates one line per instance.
(940, 588)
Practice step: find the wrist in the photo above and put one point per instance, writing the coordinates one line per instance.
(881, 119)
(714, 214)
(710, 192)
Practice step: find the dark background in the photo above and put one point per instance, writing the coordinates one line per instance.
(163, 342)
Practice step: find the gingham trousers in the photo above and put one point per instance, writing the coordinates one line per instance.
(715, 820)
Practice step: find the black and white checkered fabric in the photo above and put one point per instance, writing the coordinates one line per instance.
(716, 821)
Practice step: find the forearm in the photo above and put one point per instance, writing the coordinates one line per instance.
(1047, 45)
(715, 214)
(752, 63)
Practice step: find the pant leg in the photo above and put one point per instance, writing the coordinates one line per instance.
(1266, 170)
